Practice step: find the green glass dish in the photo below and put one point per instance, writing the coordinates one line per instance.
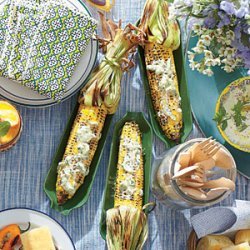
(185, 103)
(146, 131)
(82, 194)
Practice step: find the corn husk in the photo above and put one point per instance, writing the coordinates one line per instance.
(127, 228)
(158, 26)
(104, 85)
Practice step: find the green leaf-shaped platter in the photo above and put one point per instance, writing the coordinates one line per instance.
(108, 200)
(185, 103)
(81, 196)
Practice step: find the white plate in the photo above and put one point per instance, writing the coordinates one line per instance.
(22, 216)
(24, 96)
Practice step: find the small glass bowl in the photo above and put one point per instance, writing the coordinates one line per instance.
(11, 143)
(167, 191)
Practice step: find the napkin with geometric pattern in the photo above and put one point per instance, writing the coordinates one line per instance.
(44, 42)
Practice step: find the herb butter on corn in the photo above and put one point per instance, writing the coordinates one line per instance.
(127, 226)
(162, 37)
(129, 181)
(80, 150)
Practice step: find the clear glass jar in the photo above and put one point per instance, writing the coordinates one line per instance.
(167, 191)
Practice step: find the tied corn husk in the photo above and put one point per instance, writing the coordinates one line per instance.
(158, 26)
(127, 228)
(104, 85)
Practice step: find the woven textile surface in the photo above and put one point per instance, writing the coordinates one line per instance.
(23, 168)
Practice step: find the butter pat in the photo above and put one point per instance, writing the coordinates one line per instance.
(38, 239)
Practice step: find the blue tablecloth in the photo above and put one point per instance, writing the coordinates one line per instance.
(24, 168)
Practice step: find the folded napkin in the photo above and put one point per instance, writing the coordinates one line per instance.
(7, 28)
(222, 220)
(61, 38)
(27, 18)
(41, 42)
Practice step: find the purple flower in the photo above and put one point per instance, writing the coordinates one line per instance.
(225, 20)
(228, 7)
(237, 31)
(209, 9)
(241, 12)
(210, 22)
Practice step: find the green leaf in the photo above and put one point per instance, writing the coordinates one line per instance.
(237, 116)
(4, 128)
(220, 116)
(238, 106)
(243, 127)
(224, 125)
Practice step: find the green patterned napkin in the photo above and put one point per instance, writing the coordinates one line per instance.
(27, 19)
(43, 44)
(7, 28)
(4, 18)
(61, 39)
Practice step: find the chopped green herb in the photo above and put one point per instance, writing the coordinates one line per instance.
(221, 117)
(238, 117)
(4, 128)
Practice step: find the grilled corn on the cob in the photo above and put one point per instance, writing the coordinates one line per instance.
(127, 227)
(99, 97)
(80, 150)
(163, 36)
(164, 88)
(130, 172)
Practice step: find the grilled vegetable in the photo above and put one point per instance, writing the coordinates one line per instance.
(10, 235)
(99, 98)
(162, 37)
(104, 86)
(80, 150)
(129, 180)
(127, 226)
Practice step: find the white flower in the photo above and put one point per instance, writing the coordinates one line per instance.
(197, 28)
(220, 39)
(230, 35)
(221, 50)
(192, 65)
(230, 62)
(218, 31)
(209, 62)
(191, 56)
(229, 52)
(228, 42)
(199, 47)
(208, 71)
(208, 54)
(216, 61)
(198, 50)
(198, 66)
(206, 39)
(227, 68)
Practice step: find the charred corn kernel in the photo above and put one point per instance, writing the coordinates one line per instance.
(80, 150)
(164, 88)
(130, 171)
